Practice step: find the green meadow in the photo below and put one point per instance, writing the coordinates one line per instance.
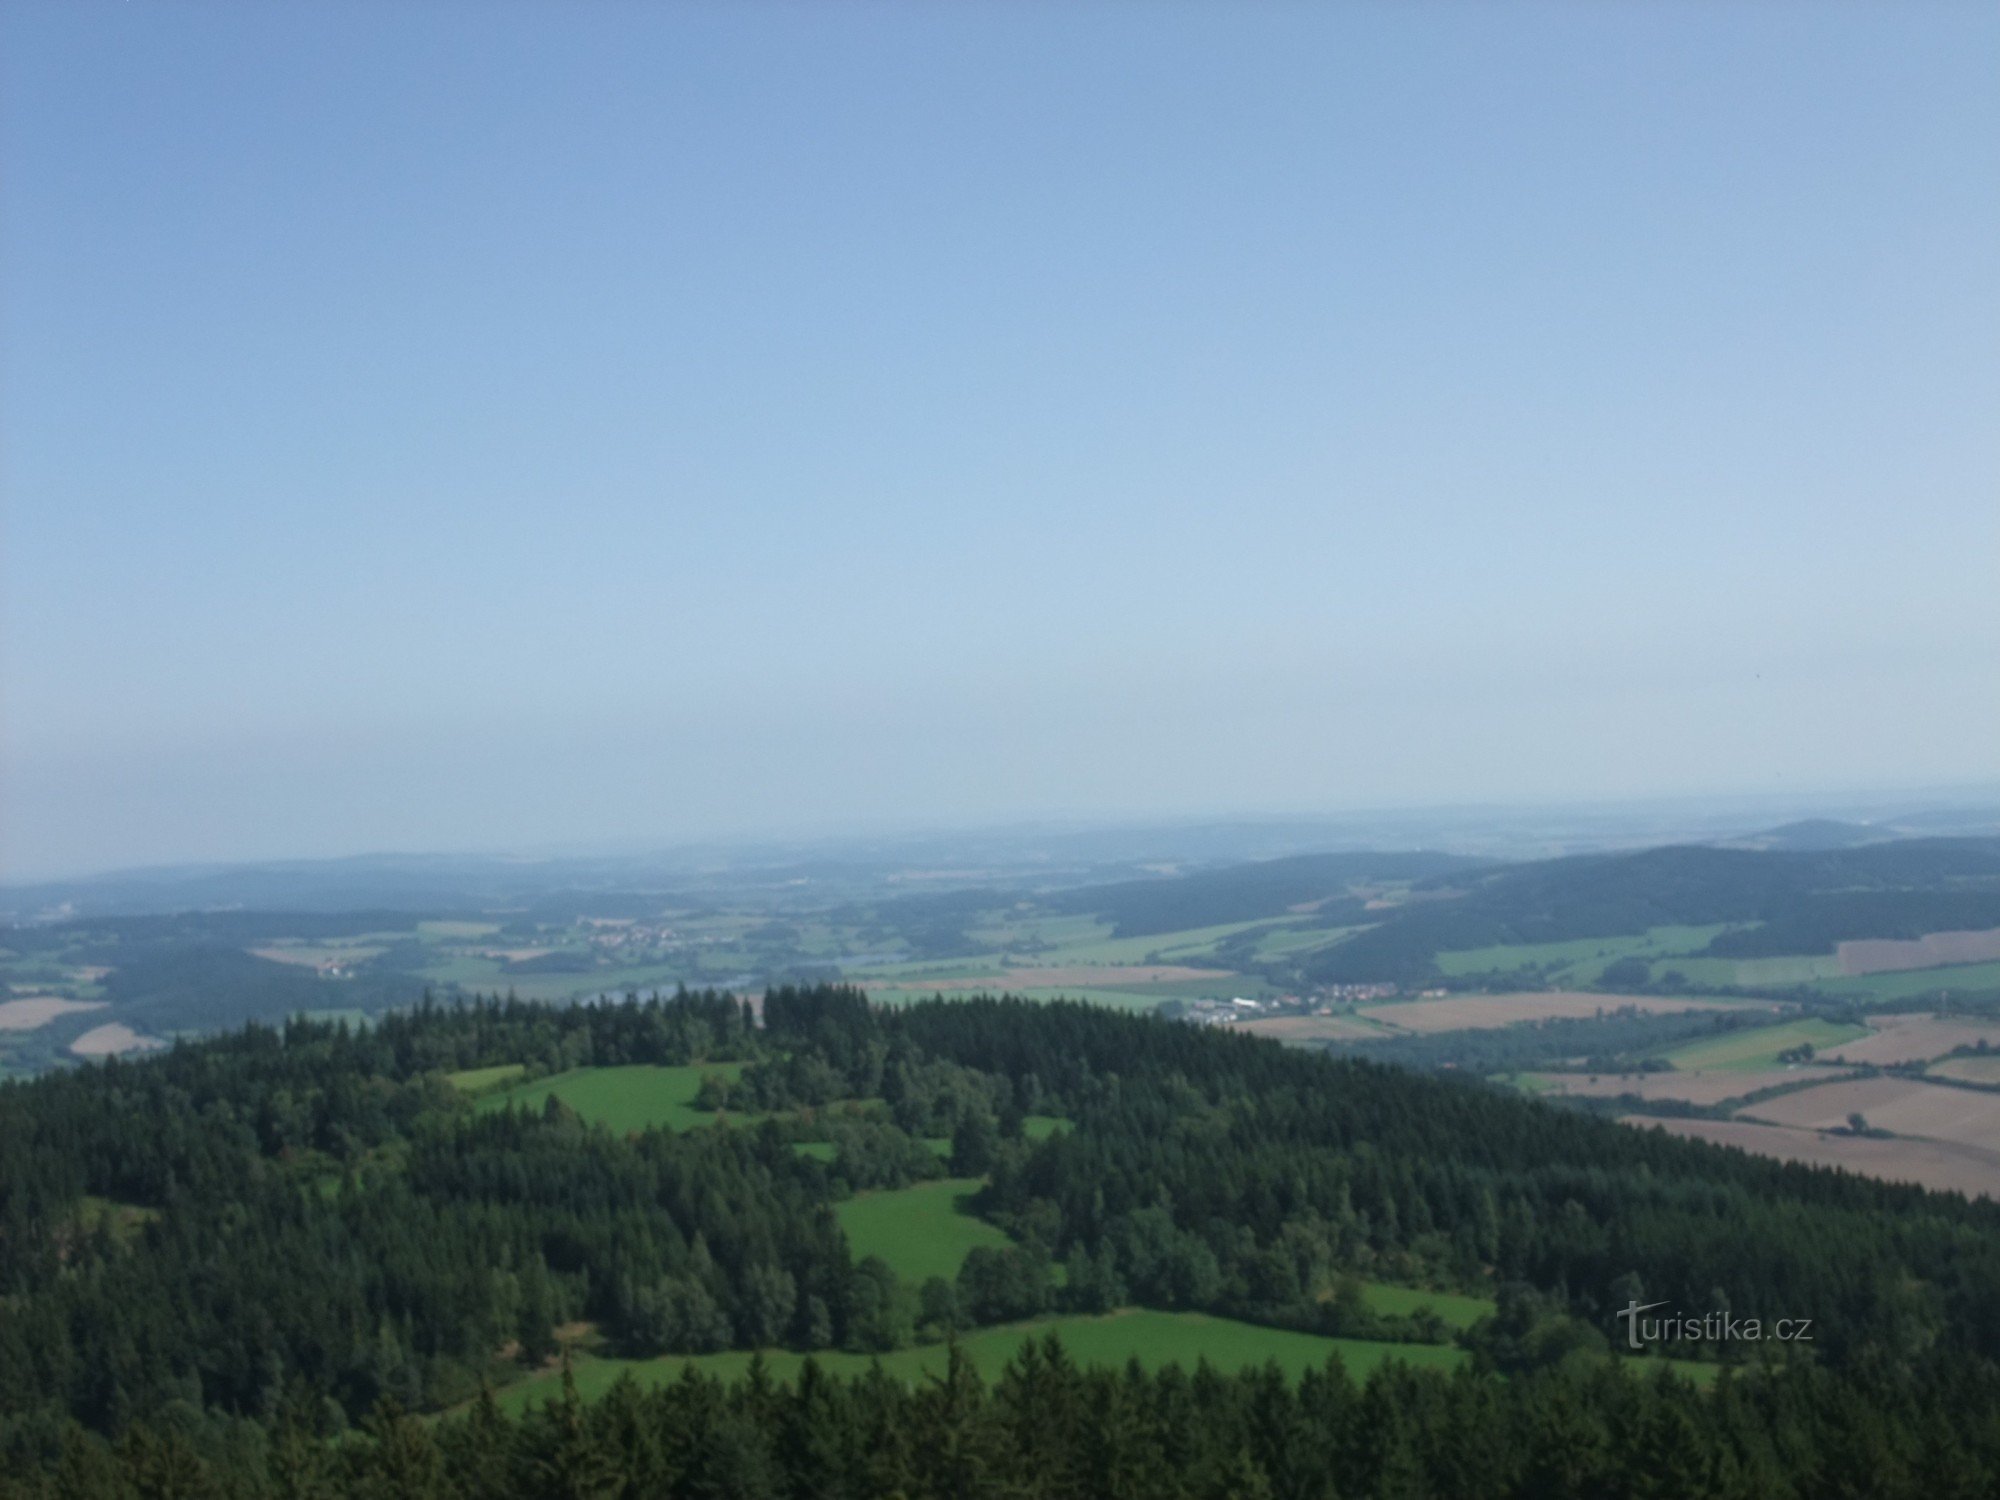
(1919, 984)
(626, 1098)
(1581, 960)
(1758, 1047)
(921, 1231)
(1154, 1339)
(479, 1080)
(1455, 1309)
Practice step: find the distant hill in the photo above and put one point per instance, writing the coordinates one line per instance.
(1787, 901)
(1267, 888)
(1813, 834)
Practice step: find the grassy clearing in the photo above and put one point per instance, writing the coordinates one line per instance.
(1041, 1127)
(1171, 947)
(626, 1098)
(479, 1080)
(921, 1231)
(1758, 1047)
(1154, 1339)
(1456, 1310)
(354, 1016)
(1288, 942)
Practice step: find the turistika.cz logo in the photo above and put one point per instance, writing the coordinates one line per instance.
(1707, 1328)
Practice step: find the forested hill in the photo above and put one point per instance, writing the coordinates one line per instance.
(1265, 888)
(215, 1261)
(1781, 901)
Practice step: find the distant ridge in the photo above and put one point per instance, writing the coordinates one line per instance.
(1812, 835)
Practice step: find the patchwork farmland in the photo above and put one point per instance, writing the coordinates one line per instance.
(1932, 1164)
(1478, 1012)
(1903, 1106)
(1907, 1038)
(1702, 1089)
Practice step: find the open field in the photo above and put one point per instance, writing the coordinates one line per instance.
(1931, 1164)
(920, 1231)
(1756, 1049)
(1780, 971)
(1904, 1106)
(478, 1080)
(1454, 1308)
(1482, 1012)
(1918, 984)
(443, 931)
(1296, 1029)
(1701, 1088)
(1287, 942)
(111, 1040)
(1154, 1339)
(33, 1012)
(1932, 951)
(316, 955)
(1579, 960)
(1971, 1069)
(630, 1097)
(1915, 1038)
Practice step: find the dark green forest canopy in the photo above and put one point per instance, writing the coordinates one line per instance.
(282, 1232)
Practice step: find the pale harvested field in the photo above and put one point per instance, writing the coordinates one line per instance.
(111, 1039)
(1088, 975)
(36, 1011)
(1931, 1164)
(1914, 1038)
(1932, 951)
(1482, 1012)
(1312, 1028)
(1700, 1088)
(1984, 1069)
(1906, 1106)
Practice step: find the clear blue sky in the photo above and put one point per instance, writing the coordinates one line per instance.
(468, 427)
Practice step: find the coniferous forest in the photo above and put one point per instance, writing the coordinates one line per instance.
(302, 1261)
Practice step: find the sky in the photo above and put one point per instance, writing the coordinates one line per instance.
(432, 427)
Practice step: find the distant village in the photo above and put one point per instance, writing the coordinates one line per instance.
(1332, 1000)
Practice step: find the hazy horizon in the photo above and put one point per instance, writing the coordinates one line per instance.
(448, 427)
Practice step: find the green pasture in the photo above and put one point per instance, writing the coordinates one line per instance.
(921, 1231)
(1919, 984)
(1580, 960)
(1185, 946)
(479, 1080)
(1758, 1046)
(1454, 1308)
(352, 1015)
(626, 1098)
(1154, 1339)
(1286, 941)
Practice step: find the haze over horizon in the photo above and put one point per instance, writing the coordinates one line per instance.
(671, 423)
